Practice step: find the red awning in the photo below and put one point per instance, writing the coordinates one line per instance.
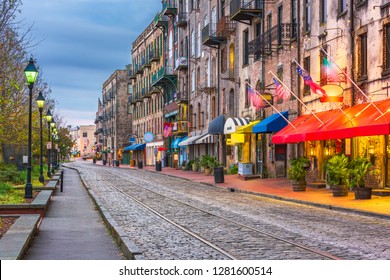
(162, 149)
(359, 120)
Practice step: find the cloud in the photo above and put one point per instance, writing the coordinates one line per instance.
(82, 42)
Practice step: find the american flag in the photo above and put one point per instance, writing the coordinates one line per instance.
(257, 101)
(315, 88)
(281, 92)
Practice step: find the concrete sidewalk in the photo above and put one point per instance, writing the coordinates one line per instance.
(72, 228)
(281, 188)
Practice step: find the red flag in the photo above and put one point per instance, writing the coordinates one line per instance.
(256, 100)
(315, 88)
(167, 129)
(281, 92)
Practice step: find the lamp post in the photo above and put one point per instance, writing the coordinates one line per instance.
(49, 118)
(31, 73)
(52, 125)
(40, 103)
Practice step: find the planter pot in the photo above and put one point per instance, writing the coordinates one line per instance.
(158, 166)
(340, 190)
(207, 171)
(94, 160)
(363, 193)
(298, 186)
(195, 167)
(104, 162)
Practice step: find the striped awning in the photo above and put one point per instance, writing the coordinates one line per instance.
(206, 139)
(232, 124)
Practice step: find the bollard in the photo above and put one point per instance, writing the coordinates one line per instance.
(62, 180)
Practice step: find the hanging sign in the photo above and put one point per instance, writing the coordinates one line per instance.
(148, 137)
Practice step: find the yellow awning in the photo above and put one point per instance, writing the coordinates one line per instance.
(247, 128)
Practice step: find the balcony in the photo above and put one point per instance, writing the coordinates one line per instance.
(181, 63)
(132, 74)
(245, 10)
(210, 37)
(169, 8)
(272, 40)
(146, 63)
(181, 20)
(164, 76)
(225, 27)
(160, 20)
(138, 69)
(154, 56)
(180, 127)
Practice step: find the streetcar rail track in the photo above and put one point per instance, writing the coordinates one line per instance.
(200, 238)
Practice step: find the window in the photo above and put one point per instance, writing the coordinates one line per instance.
(307, 15)
(258, 34)
(280, 27)
(231, 103)
(231, 61)
(363, 56)
(245, 49)
(223, 60)
(342, 6)
(85, 134)
(223, 8)
(192, 43)
(129, 89)
(323, 14)
(293, 19)
(386, 48)
(306, 66)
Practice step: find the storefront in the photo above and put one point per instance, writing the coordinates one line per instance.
(361, 130)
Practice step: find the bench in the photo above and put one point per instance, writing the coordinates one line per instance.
(17, 239)
(51, 184)
(42, 198)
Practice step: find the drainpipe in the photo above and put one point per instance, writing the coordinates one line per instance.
(352, 47)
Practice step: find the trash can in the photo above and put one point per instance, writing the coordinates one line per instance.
(117, 163)
(158, 166)
(140, 164)
(218, 175)
(104, 162)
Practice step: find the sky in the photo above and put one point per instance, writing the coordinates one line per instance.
(80, 44)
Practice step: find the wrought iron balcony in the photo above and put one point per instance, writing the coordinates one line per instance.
(164, 75)
(210, 37)
(181, 19)
(245, 10)
(154, 56)
(225, 27)
(273, 39)
(131, 74)
(160, 20)
(169, 8)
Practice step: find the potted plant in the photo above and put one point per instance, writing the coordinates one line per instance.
(297, 172)
(205, 162)
(358, 170)
(337, 174)
(195, 164)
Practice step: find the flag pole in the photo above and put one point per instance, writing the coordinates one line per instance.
(296, 97)
(273, 107)
(331, 100)
(349, 78)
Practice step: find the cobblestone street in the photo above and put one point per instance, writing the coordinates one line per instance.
(340, 234)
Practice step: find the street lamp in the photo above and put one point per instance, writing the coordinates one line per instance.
(40, 103)
(31, 73)
(53, 126)
(49, 118)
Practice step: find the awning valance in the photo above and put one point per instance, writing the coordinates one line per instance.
(135, 147)
(216, 126)
(206, 139)
(247, 128)
(232, 124)
(355, 121)
(190, 140)
(175, 143)
(273, 123)
(235, 138)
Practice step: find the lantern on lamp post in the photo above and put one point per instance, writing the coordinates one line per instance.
(49, 118)
(40, 102)
(31, 73)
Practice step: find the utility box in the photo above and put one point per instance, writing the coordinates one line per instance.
(245, 168)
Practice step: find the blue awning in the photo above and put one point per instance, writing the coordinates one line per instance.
(216, 125)
(273, 123)
(135, 147)
(175, 143)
